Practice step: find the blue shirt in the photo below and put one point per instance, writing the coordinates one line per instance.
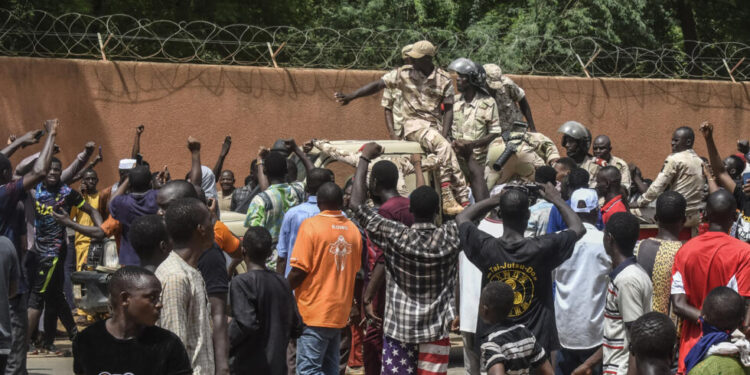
(125, 209)
(556, 222)
(290, 226)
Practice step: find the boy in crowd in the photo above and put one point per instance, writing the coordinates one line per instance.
(148, 235)
(129, 342)
(720, 350)
(652, 340)
(507, 348)
(264, 311)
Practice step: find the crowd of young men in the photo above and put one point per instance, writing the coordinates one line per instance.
(538, 261)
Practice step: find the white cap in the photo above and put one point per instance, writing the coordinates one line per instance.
(126, 164)
(584, 200)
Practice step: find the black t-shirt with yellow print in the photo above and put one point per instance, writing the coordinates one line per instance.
(526, 265)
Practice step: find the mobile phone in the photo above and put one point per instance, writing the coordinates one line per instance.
(746, 178)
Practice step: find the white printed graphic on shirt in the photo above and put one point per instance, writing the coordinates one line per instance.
(340, 249)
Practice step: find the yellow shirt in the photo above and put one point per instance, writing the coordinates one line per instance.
(82, 242)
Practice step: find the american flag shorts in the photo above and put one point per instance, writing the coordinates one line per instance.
(415, 359)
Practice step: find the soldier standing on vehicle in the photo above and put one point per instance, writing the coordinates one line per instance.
(391, 102)
(428, 116)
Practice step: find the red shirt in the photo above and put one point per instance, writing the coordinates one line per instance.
(708, 261)
(613, 206)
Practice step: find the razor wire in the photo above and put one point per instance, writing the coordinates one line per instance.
(72, 35)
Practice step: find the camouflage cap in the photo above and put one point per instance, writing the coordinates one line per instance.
(405, 50)
(421, 49)
(494, 76)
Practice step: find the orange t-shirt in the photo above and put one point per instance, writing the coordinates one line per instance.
(225, 238)
(329, 249)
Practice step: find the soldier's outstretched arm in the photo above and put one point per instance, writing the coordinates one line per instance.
(366, 90)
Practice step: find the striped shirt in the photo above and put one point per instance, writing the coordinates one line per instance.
(515, 347)
(628, 297)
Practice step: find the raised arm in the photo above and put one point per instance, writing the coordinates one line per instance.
(196, 175)
(77, 166)
(222, 155)
(477, 210)
(570, 218)
(416, 161)
(27, 139)
(41, 165)
(291, 147)
(366, 90)
(359, 190)
(98, 159)
(263, 183)
(137, 142)
(525, 108)
(723, 178)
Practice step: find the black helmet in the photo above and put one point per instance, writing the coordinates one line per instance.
(576, 130)
(476, 73)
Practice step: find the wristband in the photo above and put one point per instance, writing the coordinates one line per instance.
(365, 159)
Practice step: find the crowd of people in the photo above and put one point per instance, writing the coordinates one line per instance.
(542, 263)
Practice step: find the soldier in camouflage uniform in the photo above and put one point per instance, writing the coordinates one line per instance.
(602, 149)
(403, 163)
(682, 172)
(577, 140)
(475, 118)
(534, 150)
(426, 88)
(511, 99)
(391, 103)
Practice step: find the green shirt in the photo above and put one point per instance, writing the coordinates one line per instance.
(720, 365)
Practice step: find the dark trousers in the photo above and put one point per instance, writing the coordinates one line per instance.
(19, 322)
(47, 293)
(568, 360)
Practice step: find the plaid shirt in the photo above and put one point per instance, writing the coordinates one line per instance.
(421, 265)
(186, 311)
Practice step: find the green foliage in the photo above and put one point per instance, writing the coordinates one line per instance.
(520, 35)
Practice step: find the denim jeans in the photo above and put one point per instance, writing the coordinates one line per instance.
(318, 351)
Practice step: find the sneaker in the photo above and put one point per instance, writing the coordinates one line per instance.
(55, 351)
(33, 350)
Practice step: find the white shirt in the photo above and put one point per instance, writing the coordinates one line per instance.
(471, 280)
(581, 292)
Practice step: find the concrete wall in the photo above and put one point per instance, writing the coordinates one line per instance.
(104, 101)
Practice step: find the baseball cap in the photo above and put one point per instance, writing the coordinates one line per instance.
(421, 49)
(405, 50)
(494, 76)
(126, 164)
(584, 200)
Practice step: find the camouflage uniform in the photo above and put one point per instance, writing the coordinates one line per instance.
(507, 95)
(682, 172)
(403, 163)
(535, 151)
(392, 100)
(475, 120)
(624, 170)
(421, 100)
